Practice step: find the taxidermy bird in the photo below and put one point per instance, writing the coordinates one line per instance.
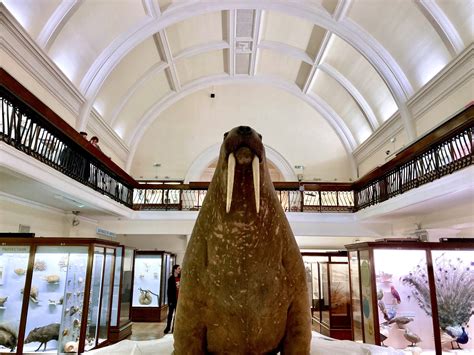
(459, 335)
(400, 321)
(395, 294)
(379, 294)
(411, 337)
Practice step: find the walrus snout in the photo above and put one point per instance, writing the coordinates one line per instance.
(243, 145)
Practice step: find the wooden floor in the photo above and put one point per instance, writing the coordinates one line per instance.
(147, 331)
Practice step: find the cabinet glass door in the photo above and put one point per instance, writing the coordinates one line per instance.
(106, 295)
(13, 266)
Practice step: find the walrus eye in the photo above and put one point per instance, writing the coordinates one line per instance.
(226, 134)
(260, 136)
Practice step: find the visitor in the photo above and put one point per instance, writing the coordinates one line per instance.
(173, 291)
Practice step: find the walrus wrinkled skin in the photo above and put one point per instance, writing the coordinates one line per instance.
(243, 288)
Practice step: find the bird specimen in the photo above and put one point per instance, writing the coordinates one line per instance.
(458, 334)
(395, 294)
(401, 322)
(379, 294)
(411, 337)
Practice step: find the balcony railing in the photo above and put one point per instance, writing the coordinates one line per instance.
(52, 141)
(294, 197)
(30, 126)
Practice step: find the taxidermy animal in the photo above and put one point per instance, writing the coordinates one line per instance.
(243, 285)
(401, 322)
(43, 335)
(33, 294)
(3, 300)
(395, 294)
(459, 335)
(411, 337)
(8, 337)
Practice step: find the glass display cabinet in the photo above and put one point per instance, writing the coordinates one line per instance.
(409, 293)
(120, 321)
(55, 294)
(150, 275)
(328, 288)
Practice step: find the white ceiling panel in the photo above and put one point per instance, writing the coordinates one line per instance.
(152, 91)
(198, 66)
(461, 15)
(82, 40)
(350, 63)
(125, 76)
(274, 63)
(273, 30)
(344, 105)
(403, 30)
(313, 143)
(197, 30)
(32, 14)
(164, 4)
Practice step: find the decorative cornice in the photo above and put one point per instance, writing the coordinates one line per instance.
(23, 50)
(33, 204)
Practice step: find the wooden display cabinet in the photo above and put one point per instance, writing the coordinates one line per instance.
(61, 287)
(121, 318)
(407, 293)
(150, 282)
(328, 291)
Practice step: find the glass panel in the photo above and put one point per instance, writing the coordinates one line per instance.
(366, 289)
(404, 321)
(94, 300)
(164, 276)
(314, 259)
(340, 302)
(13, 266)
(116, 292)
(324, 293)
(106, 293)
(454, 281)
(309, 283)
(356, 310)
(56, 297)
(147, 277)
(341, 259)
(126, 286)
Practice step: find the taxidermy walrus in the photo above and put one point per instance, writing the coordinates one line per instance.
(243, 286)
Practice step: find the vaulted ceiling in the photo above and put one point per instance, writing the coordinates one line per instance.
(316, 77)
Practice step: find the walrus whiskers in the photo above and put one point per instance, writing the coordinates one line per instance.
(256, 181)
(230, 180)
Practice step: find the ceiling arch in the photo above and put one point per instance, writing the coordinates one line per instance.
(211, 154)
(338, 125)
(381, 60)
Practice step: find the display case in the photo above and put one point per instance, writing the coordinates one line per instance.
(55, 294)
(328, 291)
(150, 274)
(407, 293)
(121, 321)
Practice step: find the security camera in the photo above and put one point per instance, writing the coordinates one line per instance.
(387, 152)
(212, 95)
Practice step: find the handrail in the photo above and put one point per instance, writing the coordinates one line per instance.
(30, 126)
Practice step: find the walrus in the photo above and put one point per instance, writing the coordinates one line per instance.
(243, 286)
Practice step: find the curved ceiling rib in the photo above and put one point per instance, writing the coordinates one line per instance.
(164, 45)
(201, 48)
(287, 50)
(312, 73)
(339, 126)
(56, 22)
(383, 63)
(256, 39)
(442, 25)
(231, 20)
(154, 69)
(352, 90)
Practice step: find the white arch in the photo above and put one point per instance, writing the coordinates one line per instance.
(440, 22)
(56, 22)
(382, 61)
(345, 135)
(210, 154)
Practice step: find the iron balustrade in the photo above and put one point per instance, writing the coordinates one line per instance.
(29, 132)
(30, 126)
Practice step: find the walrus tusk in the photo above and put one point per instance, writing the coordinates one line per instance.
(230, 180)
(256, 181)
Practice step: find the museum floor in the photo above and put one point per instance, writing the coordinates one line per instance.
(147, 331)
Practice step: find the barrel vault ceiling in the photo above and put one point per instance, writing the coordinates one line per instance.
(331, 72)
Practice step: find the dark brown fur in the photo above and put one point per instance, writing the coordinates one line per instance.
(243, 288)
(43, 335)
